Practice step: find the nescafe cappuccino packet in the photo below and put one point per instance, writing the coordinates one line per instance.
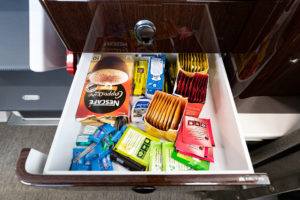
(106, 91)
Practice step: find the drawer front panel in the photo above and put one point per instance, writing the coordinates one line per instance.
(198, 26)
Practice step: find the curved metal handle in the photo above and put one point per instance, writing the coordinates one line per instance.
(145, 31)
(144, 190)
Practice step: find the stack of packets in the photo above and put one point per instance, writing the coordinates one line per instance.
(149, 75)
(193, 62)
(102, 140)
(163, 157)
(164, 115)
(195, 139)
(194, 88)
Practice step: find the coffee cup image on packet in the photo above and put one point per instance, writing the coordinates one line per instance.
(109, 70)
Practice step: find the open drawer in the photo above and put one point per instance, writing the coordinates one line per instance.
(232, 166)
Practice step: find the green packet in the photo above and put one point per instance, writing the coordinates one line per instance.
(155, 157)
(170, 164)
(190, 161)
(135, 144)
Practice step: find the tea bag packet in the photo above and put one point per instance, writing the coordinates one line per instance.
(197, 131)
(164, 112)
(186, 147)
(196, 151)
(134, 144)
(209, 156)
(170, 164)
(190, 161)
(155, 157)
(193, 63)
(194, 87)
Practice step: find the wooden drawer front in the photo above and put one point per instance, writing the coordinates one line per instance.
(180, 26)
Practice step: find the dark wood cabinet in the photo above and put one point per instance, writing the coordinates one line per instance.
(272, 68)
(182, 26)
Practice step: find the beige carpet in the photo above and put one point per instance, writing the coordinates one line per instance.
(14, 138)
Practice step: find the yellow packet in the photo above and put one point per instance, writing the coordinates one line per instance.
(139, 78)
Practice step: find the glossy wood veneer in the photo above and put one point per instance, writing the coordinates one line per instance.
(134, 180)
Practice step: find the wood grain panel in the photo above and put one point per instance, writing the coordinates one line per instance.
(182, 26)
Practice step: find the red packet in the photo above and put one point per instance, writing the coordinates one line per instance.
(199, 89)
(179, 82)
(197, 131)
(194, 89)
(203, 90)
(183, 83)
(193, 149)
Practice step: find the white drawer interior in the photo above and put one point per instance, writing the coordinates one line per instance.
(231, 154)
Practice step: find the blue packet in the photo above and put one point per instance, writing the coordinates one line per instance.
(155, 76)
(101, 131)
(116, 137)
(104, 153)
(77, 152)
(94, 152)
(103, 164)
(79, 165)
